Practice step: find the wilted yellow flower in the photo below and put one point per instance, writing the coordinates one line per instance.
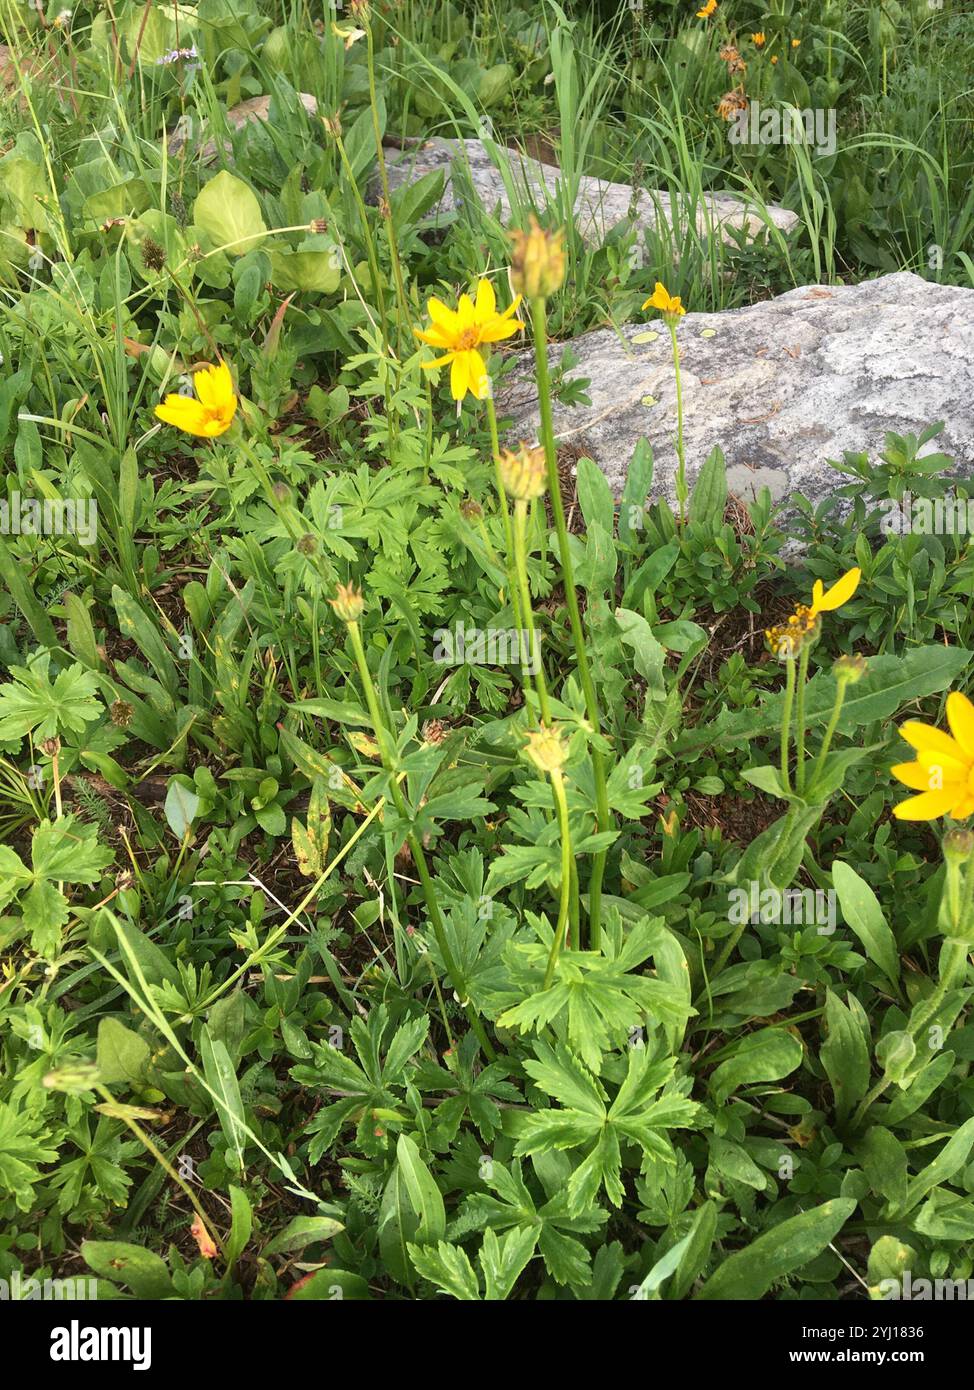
(462, 332)
(537, 261)
(546, 749)
(758, 39)
(348, 34)
(787, 639)
(826, 601)
(348, 603)
(523, 473)
(212, 410)
(730, 103)
(707, 10)
(668, 304)
(943, 770)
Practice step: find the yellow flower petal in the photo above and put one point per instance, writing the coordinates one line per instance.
(926, 739)
(841, 592)
(960, 717)
(486, 305)
(928, 806)
(913, 775)
(442, 316)
(184, 412)
(459, 377)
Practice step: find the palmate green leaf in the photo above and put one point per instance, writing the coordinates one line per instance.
(23, 1147)
(31, 702)
(502, 1261)
(636, 1119)
(889, 683)
(780, 1251)
(596, 998)
(448, 1267)
(14, 874)
(68, 850)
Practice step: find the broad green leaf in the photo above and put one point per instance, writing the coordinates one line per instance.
(766, 1055)
(123, 1055)
(862, 912)
(222, 1080)
(780, 1251)
(301, 1231)
(139, 1270)
(228, 211)
(845, 1056)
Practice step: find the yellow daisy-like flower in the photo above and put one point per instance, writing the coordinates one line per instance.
(707, 10)
(758, 39)
(666, 303)
(796, 43)
(210, 412)
(943, 771)
(827, 600)
(462, 332)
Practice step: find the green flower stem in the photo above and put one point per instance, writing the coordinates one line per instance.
(527, 613)
(953, 964)
(800, 719)
(682, 492)
(544, 703)
(558, 788)
(786, 722)
(386, 209)
(830, 729)
(495, 450)
(419, 858)
(603, 816)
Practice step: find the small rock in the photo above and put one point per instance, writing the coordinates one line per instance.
(599, 206)
(244, 113)
(781, 386)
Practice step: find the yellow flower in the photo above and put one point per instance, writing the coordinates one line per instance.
(795, 43)
(212, 410)
(462, 332)
(707, 10)
(826, 601)
(774, 57)
(943, 771)
(668, 304)
(758, 40)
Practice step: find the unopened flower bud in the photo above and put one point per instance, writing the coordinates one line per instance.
(348, 603)
(523, 473)
(958, 845)
(546, 749)
(537, 261)
(850, 669)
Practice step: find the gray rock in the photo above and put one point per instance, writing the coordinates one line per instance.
(599, 205)
(780, 386)
(244, 113)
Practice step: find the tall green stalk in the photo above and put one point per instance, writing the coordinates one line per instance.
(387, 754)
(603, 815)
